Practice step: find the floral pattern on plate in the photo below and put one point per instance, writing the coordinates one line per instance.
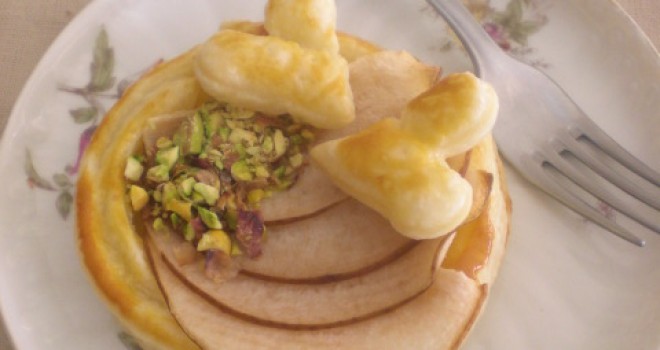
(100, 86)
(509, 27)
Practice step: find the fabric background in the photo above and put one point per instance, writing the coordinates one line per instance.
(27, 27)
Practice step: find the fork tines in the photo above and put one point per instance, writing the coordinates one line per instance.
(587, 156)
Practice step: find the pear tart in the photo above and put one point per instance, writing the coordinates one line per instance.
(286, 186)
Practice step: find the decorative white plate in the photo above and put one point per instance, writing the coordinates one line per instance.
(564, 283)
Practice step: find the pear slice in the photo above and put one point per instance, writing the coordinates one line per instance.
(329, 245)
(480, 176)
(312, 193)
(460, 162)
(436, 318)
(297, 305)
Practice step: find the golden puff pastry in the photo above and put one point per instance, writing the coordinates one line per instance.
(454, 115)
(276, 76)
(397, 168)
(310, 23)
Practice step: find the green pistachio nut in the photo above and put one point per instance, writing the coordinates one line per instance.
(196, 142)
(212, 123)
(208, 192)
(139, 197)
(267, 145)
(296, 160)
(185, 187)
(240, 171)
(242, 136)
(159, 173)
(168, 156)
(158, 225)
(261, 171)
(188, 232)
(164, 142)
(280, 143)
(209, 218)
(133, 170)
(215, 240)
(168, 192)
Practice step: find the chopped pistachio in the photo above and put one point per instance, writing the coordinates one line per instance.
(159, 173)
(197, 197)
(224, 133)
(196, 141)
(168, 192)
(261, 171)
(157, 195)
(307, 135)
(216, 240)
(284, 184)
(164, 142)
(175, 220)
(296, 139)
(208, 192)
(168, 156)
(231, 217)
(240, 171)
(220, 134)
(139, 197)
(255, 196)
(267, 145)
(240, 149)
(158, 225)
(178, 139)
(185, 187)
(296, 160)
(236, 249)
(181, 208)
(133, 170)
(279, 172)
(209, 218)
(156, 211)
(188, 232)
(294, 128)
(280, 143)
(212, 123)
(253, 151)
(190, 136)
(241, 135)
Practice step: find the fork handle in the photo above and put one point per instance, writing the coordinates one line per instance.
(479, 45)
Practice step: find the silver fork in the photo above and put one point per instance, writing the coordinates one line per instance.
(549, 139)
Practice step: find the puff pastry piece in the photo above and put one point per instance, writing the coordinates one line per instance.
(276, 76)
(310, 23)
(454, 115)
(399, 169)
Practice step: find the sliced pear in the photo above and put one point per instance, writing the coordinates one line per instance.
(342, 241)
(480, 176)
(460, 162)
(297, 305)
(482, 184)
(311, 193)
(436, 318)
